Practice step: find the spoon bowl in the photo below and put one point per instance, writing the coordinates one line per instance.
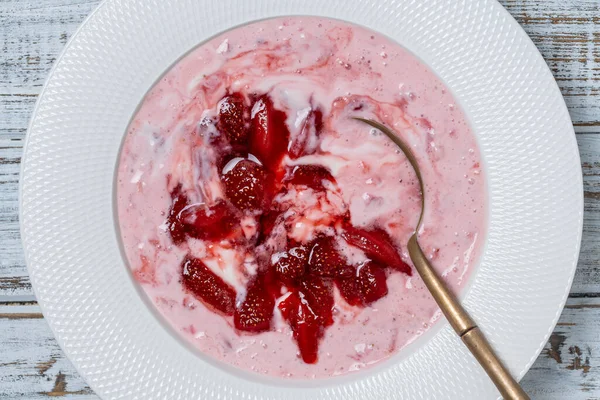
(457, 316)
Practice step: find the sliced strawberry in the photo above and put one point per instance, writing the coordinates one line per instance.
(304, 324)
(226, 157)
(216, 222)
(291, 264)
(377, 245)
(272, 283)
(317, 120)
(178, 202)
(289, 306)
(349, 291)
(233, 119)
(325, 260)
(319, 295)
(256, 311)
(371, 282)
(367, 286)
(269, 134)
(267, 222)
(306, 141)
(311, 176)
(247, 186)
(308, 333)
(199, 280)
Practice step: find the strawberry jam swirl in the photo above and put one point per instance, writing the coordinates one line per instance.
(267, 226)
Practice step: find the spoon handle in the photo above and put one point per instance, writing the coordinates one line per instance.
(465, 327)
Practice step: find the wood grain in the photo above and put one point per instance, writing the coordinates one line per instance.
(568, 366)
(32, 33)
(32, 366)
(567, 33)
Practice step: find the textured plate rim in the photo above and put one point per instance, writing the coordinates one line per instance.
(573, 267)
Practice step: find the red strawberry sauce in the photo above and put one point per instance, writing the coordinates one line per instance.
(267, 226)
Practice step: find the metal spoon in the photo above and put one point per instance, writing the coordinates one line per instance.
(458, 317)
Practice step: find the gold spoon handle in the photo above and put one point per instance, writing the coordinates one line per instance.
(464, 326)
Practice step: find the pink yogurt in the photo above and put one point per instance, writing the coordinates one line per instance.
(346, 70)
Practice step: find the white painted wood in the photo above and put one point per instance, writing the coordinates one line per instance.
(32, 33)
(32, 366)
(567, 33)
(569, 366)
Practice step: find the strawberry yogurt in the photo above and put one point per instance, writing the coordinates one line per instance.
(268, 227)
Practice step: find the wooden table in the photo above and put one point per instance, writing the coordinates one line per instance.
(33, 33)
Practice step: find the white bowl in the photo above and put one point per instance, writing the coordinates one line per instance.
(67, 210)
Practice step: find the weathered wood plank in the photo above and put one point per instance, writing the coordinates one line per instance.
(32, 366)
(13, 277)
(569, 366)
(567, 33)
(587, 277)
(32, 39)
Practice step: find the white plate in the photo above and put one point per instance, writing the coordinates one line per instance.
(68, 229)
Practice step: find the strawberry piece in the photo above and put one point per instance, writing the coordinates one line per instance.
(308, 334)
(269, 135)
(368, 286)
(198, 279)
(317, 120)
(305, 142)
(216, 222)
(349, 291)
(371, 282)
(304, 324)
(233, 119)
(256, 311)
(324, 259)
(272, 284)
(289, 306)
(311, 176)
(291, 265)
(267, 222)
(308, 310)
(175, 227)
(319, 295)
(247, 186)
(377, 245)
(225, 157)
